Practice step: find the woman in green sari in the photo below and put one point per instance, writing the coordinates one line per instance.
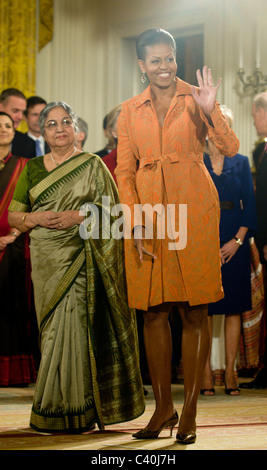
(89, 367)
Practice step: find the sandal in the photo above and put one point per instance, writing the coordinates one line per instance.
(211, 392)
(229, 391)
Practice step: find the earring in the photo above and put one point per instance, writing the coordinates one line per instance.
(143, 78)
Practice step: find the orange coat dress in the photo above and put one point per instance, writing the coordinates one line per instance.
(164, 168)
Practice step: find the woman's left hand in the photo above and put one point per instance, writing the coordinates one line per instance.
(65, 219)
(228, 250)
(205, 95)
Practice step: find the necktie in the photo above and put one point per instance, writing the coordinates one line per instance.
(38, 148)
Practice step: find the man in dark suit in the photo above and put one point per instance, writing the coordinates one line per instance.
(259, 113)
(35, 104)
(13, 102)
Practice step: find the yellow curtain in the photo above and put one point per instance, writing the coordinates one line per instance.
(18, 45)
(45, 22)
(18, 42)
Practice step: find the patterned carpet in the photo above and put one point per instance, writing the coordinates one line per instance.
(224, 423)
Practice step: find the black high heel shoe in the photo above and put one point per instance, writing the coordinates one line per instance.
(189, 438)
(186, 438)
(147, 434)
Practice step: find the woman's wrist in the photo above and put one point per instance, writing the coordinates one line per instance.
(240, 235)
(27, 220)
(238, 240)
(80, 217)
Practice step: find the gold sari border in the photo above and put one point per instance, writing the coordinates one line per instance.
(81, 419)
(58, 174)
(16, 206)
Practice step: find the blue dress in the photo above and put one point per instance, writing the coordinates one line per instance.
(236, 194)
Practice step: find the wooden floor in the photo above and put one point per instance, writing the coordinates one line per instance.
(224, 423)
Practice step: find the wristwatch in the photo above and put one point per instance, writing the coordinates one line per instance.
(238, 241)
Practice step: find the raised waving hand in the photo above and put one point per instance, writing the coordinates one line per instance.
(205, 95)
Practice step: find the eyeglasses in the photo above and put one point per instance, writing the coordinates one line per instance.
(53, 125)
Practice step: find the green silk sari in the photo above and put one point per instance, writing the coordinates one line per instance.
(89, 371)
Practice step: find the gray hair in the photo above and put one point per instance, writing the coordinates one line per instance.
(260, 100)
(83, 127)
(57, 104)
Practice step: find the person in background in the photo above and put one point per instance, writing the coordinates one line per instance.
(16, 359)
(238, 223)
(110, 144)
(35, 104)
(13, 102)
(112, 133)
(82, 134)
(89, 354)
(259, 113)
(161, 137)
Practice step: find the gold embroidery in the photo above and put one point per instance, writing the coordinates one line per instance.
(16, 206)
(57, 174)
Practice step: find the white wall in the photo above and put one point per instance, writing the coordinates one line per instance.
(91, 61)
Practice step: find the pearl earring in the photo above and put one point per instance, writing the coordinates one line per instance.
(143, 78)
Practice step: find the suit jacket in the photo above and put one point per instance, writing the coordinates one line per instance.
(46, 146)
(261, 198)
(23, 146)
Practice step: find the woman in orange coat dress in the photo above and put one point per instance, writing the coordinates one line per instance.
(161, 136)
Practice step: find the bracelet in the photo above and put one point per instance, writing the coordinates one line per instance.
(238, 241)
(24, 217)
(14, 234)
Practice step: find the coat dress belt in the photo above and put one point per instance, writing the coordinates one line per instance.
(159, 162)
(173, 157)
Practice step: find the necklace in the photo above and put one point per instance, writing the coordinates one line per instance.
(217, 162)
(3, 162)
(56, 163)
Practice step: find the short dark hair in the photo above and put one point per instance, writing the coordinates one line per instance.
(151, 37)
(33, 101)
(11, 92)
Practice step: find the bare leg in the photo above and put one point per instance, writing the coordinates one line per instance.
(195, 348)
(158, 343)
(207, 382)
(232, 337)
